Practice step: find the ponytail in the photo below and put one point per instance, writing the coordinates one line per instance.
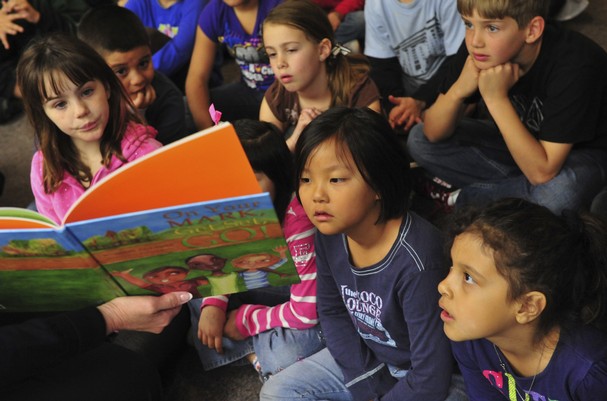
(345, 71)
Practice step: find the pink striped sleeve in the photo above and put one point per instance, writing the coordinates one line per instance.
(221, 301)
(300, 311)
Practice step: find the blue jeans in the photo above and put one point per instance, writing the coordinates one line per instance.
(477, 160)
(351, 28)
(315, 378)
(276, 349)
(319, 378)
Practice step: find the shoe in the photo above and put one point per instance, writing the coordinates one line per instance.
(431, 187)
(571, 9)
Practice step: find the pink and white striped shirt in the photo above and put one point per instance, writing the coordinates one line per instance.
(300, 311)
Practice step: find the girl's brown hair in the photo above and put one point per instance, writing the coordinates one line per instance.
(43, 65)
(344, 71)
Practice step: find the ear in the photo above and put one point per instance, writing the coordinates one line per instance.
(535, 29)
(531, 305)
(324, 49)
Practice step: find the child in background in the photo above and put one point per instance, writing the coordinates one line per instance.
(176, 20)
(540, 131)
(85, 125)
(525, 301)
(237, 25)
(120, 38)
(313, 72)
(408, 42)
(378, 266)
(273, 337)
(347, 19)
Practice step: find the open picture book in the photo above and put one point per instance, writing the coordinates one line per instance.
(189, 216)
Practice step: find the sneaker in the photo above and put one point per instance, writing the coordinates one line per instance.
(571, 9)
(430, 186)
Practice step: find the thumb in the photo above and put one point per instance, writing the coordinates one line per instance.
(393, 100)
(173, 299)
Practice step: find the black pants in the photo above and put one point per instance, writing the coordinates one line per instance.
(108, 372)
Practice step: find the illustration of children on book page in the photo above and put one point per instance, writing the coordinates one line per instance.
(165, 279)
(221, 282)
(255, 267)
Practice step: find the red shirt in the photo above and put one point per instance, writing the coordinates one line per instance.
(343, 7)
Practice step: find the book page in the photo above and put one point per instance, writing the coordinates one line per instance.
(207, 248)
(45, 270)
(15, 218)
(194, 169)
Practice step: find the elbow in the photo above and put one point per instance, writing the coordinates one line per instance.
(431, 134)
(540, 177)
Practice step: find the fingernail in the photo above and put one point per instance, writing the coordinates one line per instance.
(185, 297)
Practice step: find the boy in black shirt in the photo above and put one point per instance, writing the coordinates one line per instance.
(538, 132)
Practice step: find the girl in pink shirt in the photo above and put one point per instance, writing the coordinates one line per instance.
(85, 125)
(272, 337)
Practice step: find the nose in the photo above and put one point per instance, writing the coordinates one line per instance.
(443, 287)
(81, 109)
(319, 194)
(136, 80)
(281, 61)
(477, 38)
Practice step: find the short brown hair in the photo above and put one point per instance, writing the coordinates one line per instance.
(522, 11)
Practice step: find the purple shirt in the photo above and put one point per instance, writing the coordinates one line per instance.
(577, 370)
(219, 22)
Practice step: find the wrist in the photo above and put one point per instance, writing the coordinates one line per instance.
(496, 102)
(455, 95)
(110, 316)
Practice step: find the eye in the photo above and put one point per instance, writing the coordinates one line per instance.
(86, 92)
(121, 72)
(144, 64)
(468, 24)
(492, 28)
(468, 279)
(304, 180)
(271, 54)
(60, 105)
(292, 50)
(336, 180)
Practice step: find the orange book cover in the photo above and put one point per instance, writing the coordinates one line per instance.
(137, 230)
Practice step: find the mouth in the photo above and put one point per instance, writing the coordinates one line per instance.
(444, 315)
(88, 126)
(285, 79)
(322, 216)
(480, 57)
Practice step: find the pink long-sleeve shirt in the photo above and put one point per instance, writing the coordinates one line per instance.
(300, 311)
(138, 141)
